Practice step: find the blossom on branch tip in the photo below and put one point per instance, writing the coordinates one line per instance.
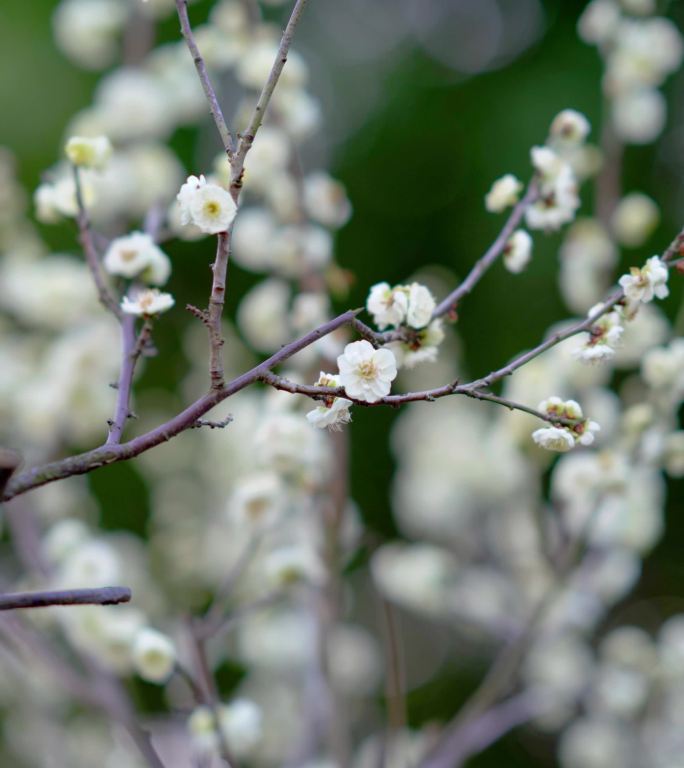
(503, 194)
(334, 411)
(641, 285)
(604, 337)
(147, 303)
(562, 437)
(366, 373)
(518, 251)
(89, 153)
(569, 128)
(207, 206)
(558, 199)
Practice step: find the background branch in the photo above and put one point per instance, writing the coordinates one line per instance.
(99, 596)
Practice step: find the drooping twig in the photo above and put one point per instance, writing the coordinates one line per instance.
(99, 596)
(90, 251)
(247, 138)
(214, 106)
(492, 254)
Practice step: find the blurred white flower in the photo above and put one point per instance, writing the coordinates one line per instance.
(154, 655)
(325, 200)
(635, 219)
(569, 128)
(137, 255)
(147, 303)
(503, 194)
(89, 153)
(518, 251)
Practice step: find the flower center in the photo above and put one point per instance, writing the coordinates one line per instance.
(367, 370)
(212, 208)
(128, 254)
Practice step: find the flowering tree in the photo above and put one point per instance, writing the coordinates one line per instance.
(256, 554)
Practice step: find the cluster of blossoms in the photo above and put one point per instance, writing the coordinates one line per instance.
(564, 436)
(640, 51)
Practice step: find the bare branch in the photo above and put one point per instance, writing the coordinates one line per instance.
(132, 348)
(493, 252)
(90, 251)
(100, 596)
(112, 454)
(9, 463)
(247, 138)
(214, 106)
(215, 311)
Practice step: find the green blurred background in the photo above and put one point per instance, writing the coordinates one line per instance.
(416, 165)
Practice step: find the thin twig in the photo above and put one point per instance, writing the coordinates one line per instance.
(99, 596)
(207, 685)
(214, 106)
(247, 138)
(112, 454)
(90, 251)
(492, 254)
(215, 311)
(9, 463)
(132, 348)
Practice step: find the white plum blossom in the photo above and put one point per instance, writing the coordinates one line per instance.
(560, 437)
(569, 128)
(554, 439)
(642, 285)
(89, 152)
(422, 347)
(334, 411)
(503, 194)
(421, 305)
(147, 303)
(604, 337)
(154, 655)
(387, 305)
(137, 255)
(366, 373)
(558, 199)
(518, 251)
(207, 206)
(412, 304)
